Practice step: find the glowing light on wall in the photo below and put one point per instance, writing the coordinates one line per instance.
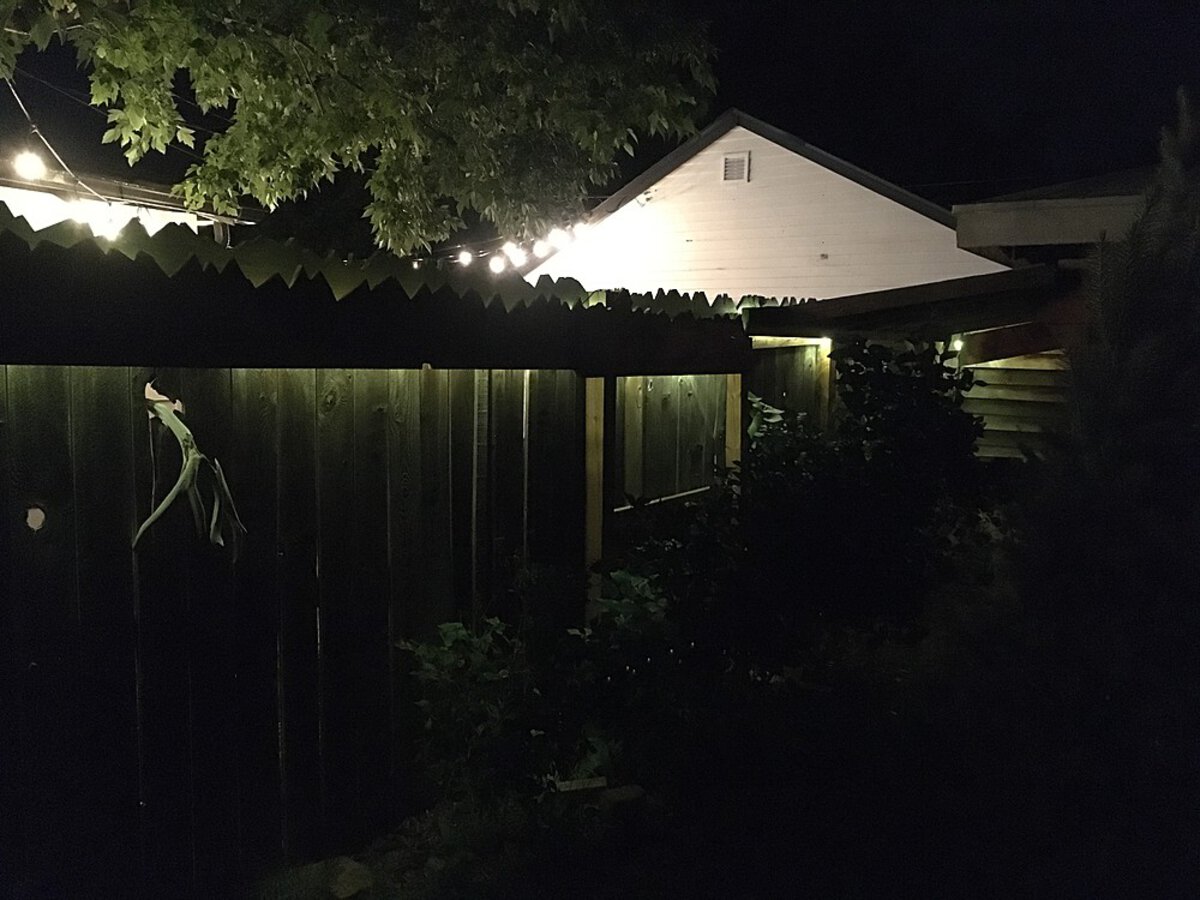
(29, 165)
(957, 345)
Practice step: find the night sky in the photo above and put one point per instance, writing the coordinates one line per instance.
(955, 100)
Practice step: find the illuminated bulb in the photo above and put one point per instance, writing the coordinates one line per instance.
(465, 257)
(580, 229)
(541, 249)
(957, 345)
(29, 165)
(497, 263)
(559, 238)
(515, 254)
(416, 264)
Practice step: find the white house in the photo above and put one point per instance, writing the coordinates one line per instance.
(744, 208)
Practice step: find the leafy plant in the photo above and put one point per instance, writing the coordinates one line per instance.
(478, 701)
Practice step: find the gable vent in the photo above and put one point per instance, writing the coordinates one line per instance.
(735, 167)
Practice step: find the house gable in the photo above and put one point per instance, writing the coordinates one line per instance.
(748, 210)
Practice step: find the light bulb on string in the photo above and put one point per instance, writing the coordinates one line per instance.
(559, 238)
(497, 263)
(465, 257)
(541, 249)
(29, 166)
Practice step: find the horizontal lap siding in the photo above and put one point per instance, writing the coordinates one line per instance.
(795, 229)
(1022, 401)
(176, 721)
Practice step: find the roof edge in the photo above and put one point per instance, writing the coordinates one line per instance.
(734, 118)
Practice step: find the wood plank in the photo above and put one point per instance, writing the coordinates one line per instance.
(12, 835)
(1057, 378)
(462, 469)
(696, 414)
(44, 621)
(733, 418)
(594, 505)
(164, 663)
(299, 647)
(1003, 343)
(101, 410)
(253, 473)
(1037, 412)
(368, 666)
(406, 587)
(661, 438)
(507, 466)
(825, 384)
(212, 628)
(556, 494)
(1039, 361)
(437, 524)
(633, 392)
(1020, 423)
(338, 588)
(1019, 393)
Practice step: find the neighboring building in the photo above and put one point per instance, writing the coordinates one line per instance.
(746, 209)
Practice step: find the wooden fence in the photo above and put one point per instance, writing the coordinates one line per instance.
(174, 721)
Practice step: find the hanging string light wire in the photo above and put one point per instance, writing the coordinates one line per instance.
(41, 137)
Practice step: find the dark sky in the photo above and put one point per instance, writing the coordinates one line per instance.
(957, 100)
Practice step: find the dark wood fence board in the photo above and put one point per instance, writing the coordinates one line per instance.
(556, 486)
(437, 524)
(12, 849)
(406, 589)
(44, 620)
(368, 666)
(212, 625)
(252, 472)
(100, 414)
(339, 587)
(164, 661)
(462, 473)
(296, 573)
(661, 436)
(507, 465)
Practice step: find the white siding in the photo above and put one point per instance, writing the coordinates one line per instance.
(795, 229)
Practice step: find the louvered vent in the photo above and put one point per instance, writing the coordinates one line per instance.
(735, 167)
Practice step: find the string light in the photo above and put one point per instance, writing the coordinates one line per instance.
(29, 166)
(508, 254)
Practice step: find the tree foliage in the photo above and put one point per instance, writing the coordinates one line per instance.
(1126, 502)
(511, 108)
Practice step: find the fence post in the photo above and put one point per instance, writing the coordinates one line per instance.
(594, 477)
(733, 418)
